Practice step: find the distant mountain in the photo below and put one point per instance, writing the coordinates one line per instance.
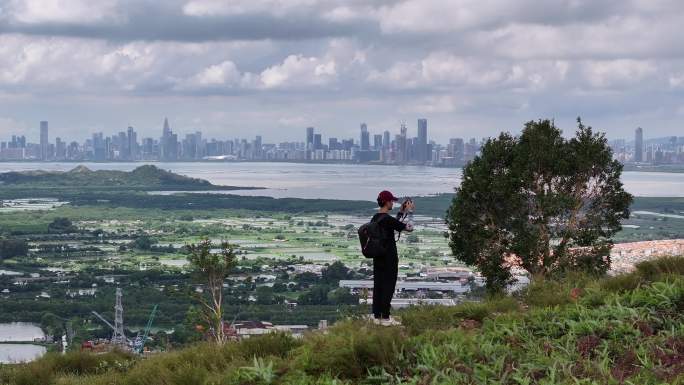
(142, 178)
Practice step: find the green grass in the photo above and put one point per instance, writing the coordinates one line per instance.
(620, 330)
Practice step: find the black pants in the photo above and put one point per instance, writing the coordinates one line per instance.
(384, 282)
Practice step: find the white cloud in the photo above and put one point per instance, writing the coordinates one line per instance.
(10, 125)
(617, 73)
(228, 7)
(219, 74)
(491, 59)
(439, 16)
(61, 11)
(296, 121)
(297, 71)
(436, 104)
(349, 12)
(443, 70)
(676, 80)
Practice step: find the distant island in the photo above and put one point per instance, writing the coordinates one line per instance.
(143, 178)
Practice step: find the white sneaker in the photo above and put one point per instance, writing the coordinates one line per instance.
(391, 321)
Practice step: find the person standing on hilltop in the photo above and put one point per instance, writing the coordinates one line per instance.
(386, 267)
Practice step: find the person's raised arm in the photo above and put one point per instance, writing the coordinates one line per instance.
(397, 225)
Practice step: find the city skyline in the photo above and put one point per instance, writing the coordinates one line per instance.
(274, 66)
(386, 147)
(151, 131)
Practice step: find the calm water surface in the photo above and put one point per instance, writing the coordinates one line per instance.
(19, 332)
(341, 181)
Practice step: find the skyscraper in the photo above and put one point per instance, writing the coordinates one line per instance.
(60, 149)
(386, 139)
(258, 146)
(422, 144)
(309, 138)
(168, 143)
(377, 142)
(639, 145)
(44, 142)
(401, 145)
(456, 149)
(100, 151)
(132, 144)
(365, 138)
(167, 129)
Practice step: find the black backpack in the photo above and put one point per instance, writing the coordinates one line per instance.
(372, 238)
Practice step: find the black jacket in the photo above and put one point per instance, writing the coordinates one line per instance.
(389, 225)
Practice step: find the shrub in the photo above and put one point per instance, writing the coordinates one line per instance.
(85, 363)
(36, 373)
(350, 349)
(652, 269)
(418, 319)
(621, 283)
(543, 291)
(272, 344)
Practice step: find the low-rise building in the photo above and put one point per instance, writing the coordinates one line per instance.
(447, 273)
(398, 303)
(246, 329)
(356, 286)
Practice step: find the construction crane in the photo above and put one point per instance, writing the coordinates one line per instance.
(119, 337)
(104, 320)
(139, 344)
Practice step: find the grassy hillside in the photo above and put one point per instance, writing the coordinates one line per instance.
(623, 330)
(145, 177)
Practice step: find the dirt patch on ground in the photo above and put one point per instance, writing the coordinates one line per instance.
(470, 324)
(587, 344)
(671, 359)
(625, 366)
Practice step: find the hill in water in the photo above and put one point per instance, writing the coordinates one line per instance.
(580, 330)
(145, 177)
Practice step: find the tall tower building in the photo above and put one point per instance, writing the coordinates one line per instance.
(386, 139)
(166, 130)
(258, 147)
(168, 143)
(100, 150)
(402, 145)
(44, 141)
(422, 143)
(132, 144)
(309, 138)
(377, 142)
(365, 138)
(639, 145)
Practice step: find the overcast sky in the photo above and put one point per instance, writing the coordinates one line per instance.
(235, 68)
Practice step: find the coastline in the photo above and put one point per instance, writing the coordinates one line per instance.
(627, 167)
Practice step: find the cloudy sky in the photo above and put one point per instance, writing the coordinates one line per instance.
(272, 67)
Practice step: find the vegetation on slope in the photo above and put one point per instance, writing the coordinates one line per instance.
(145, 177)
(622, 330)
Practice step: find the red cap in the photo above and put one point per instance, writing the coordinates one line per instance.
(386, 196)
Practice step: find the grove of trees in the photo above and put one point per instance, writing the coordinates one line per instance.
(13, 247)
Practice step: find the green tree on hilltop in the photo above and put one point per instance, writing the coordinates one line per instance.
(539, 201)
